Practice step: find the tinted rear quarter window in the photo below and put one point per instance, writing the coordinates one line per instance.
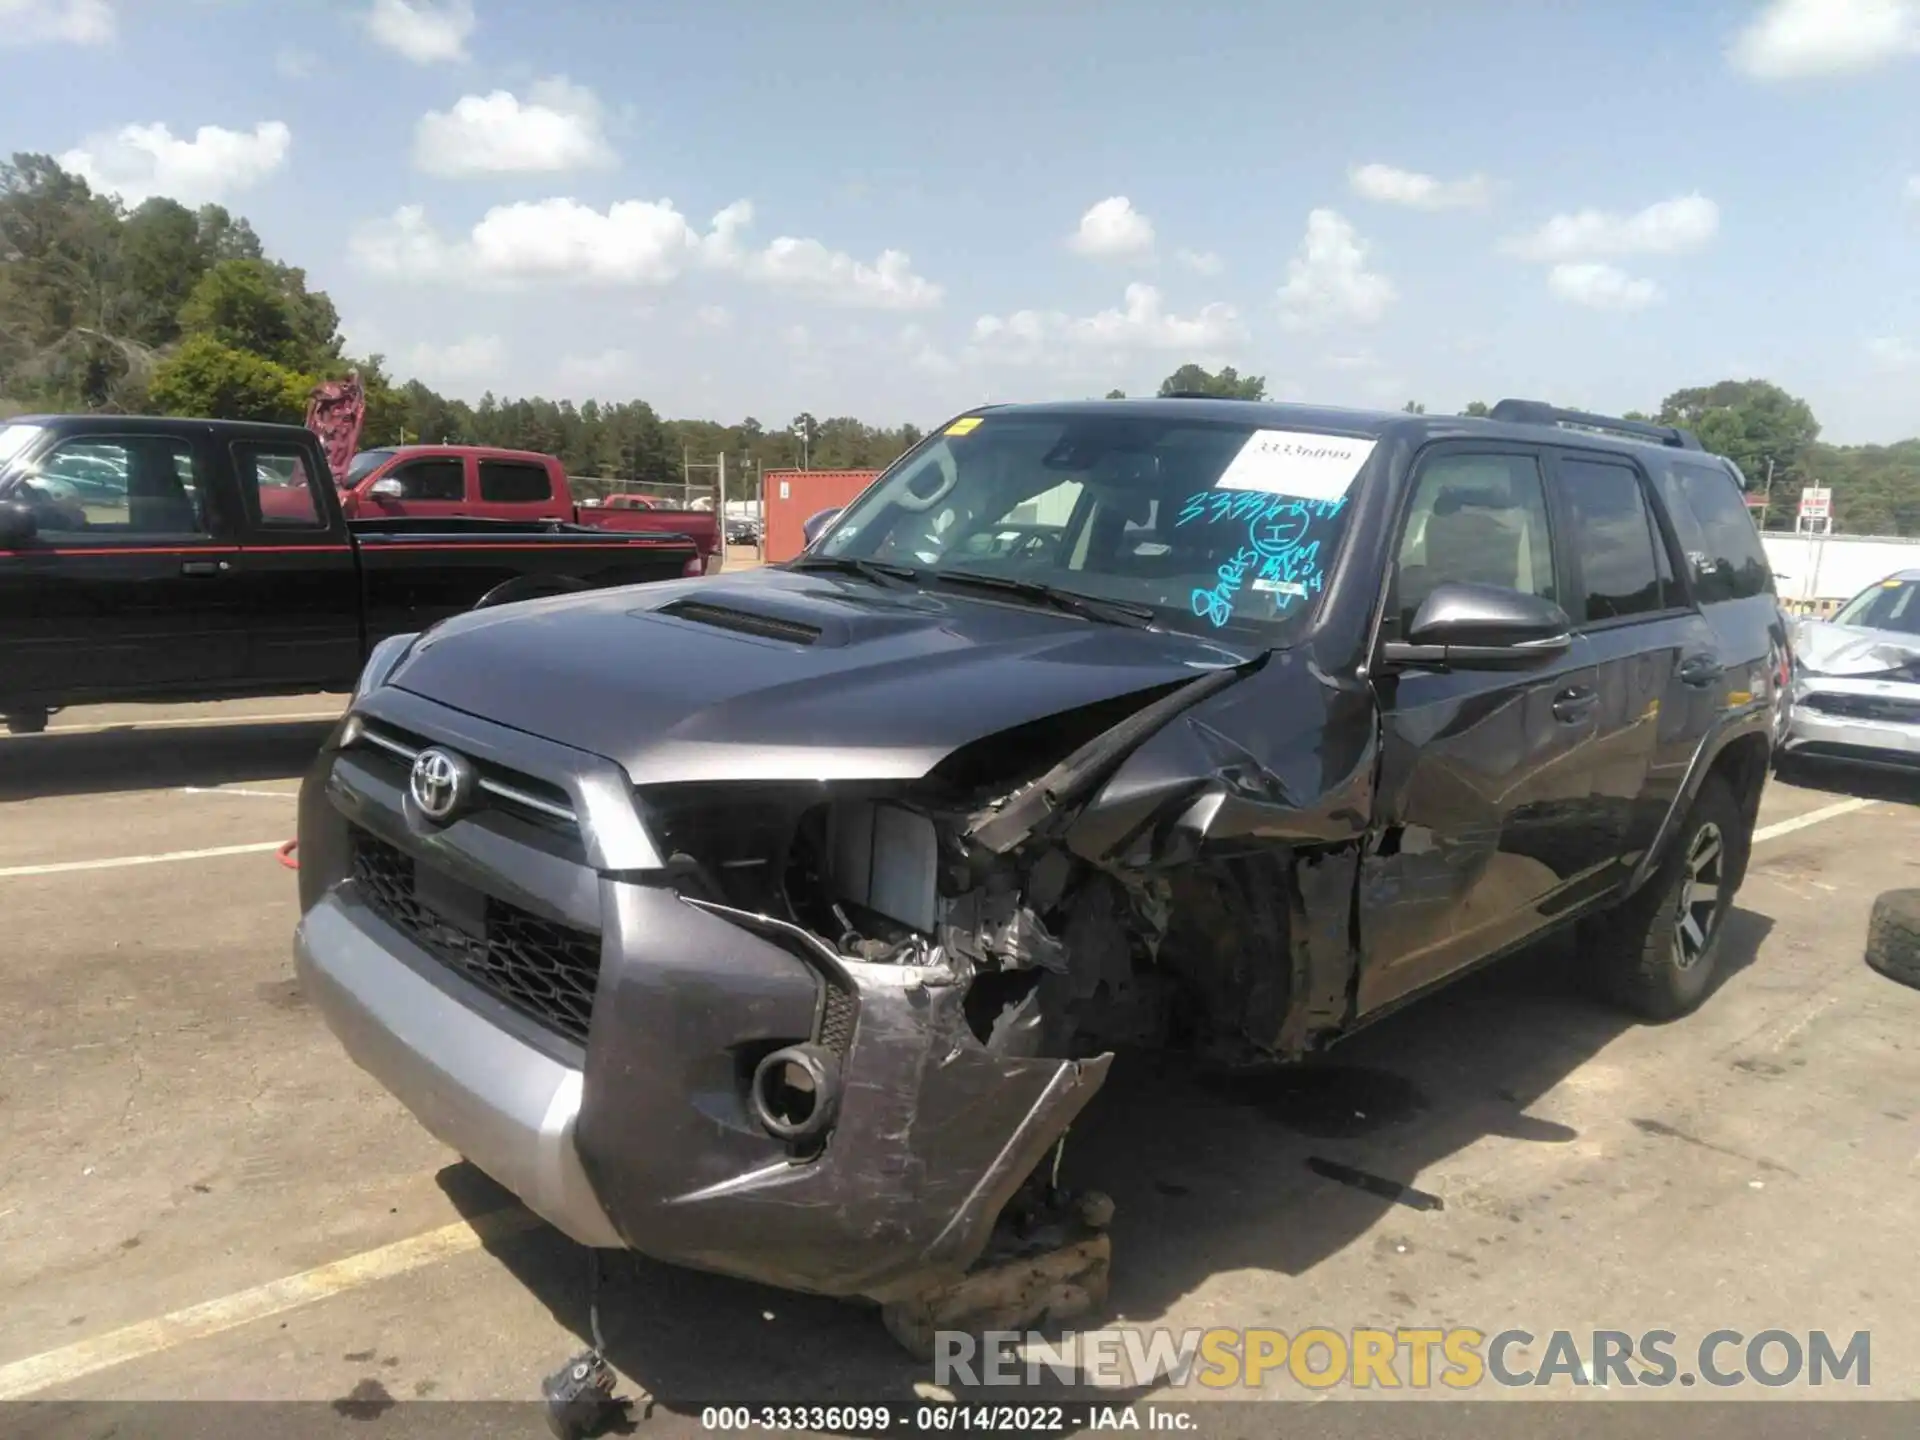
(514, 482)
(1716, 530)
(1614, 534)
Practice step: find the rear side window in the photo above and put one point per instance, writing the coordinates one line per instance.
(1717, 532)
(1614, 533)
(441, 479)
(514, 482)
(277, 486)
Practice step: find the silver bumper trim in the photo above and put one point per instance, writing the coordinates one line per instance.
(503, 1105)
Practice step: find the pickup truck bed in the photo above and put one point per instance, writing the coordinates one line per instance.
(148, 558)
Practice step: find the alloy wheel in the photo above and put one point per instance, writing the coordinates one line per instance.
(1698, 912)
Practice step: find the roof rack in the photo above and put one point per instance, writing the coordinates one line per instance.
(1538, 412)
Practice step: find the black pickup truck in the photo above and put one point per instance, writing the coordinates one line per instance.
(147, 558)
(781, 924)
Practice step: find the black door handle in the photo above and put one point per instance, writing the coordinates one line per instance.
(205, 567)
(1700, 671)
(1573, 706)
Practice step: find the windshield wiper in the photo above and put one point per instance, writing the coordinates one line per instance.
(880, 572)
(1089, 607)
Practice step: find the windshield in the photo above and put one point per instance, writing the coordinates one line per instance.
(1890, 605)
(363, 465)
(1214, 525)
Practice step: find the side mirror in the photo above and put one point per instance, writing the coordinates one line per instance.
(1462, 626)
(17, 523)
(816, 523)
(387, 489)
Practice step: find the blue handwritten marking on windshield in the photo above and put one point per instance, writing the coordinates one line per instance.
(1250, 505)
(1215, 603)
(1277, 548)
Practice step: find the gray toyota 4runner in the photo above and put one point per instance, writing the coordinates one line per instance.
(781, 923)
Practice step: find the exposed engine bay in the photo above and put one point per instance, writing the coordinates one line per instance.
(1058, 954)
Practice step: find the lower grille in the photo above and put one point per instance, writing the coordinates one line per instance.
(1864, 707)
(836, 1020)
(548, 972)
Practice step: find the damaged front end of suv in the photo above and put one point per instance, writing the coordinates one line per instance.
(788, 921)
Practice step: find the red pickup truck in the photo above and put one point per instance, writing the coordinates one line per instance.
(481, 482)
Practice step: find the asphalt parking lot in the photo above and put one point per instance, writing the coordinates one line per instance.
(203, 1199)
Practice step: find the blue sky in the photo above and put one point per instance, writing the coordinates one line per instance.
(897, 210)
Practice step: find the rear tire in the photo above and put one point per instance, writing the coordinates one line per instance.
(27, 722)
(1893, 936)
(1656, 952)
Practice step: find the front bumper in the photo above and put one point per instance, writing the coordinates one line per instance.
(500, 1102)
(1817, 733)
(643, 1137)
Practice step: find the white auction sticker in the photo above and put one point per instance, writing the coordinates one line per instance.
(1295, 463)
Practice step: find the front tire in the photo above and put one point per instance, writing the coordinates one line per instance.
(1656, 952)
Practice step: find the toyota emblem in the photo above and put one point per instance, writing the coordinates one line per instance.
(441, 784)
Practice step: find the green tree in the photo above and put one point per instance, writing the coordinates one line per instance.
(1751, 422)
(1228, 384)
(222, 382)
(266, 310)
(1414, 407)
(1116, 395)
(162, 260)
(1478, 408)
(222, 237)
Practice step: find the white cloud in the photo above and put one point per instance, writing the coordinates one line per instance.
(1794, 39)
(1890, 352)
(713, 317)
(1600, 286)
(425, 31)
(1200, 262)
(1052, 338)
(1670, 227)
(290, 62)
(73, 22)
(558, 127)
(1913, 187)
(923, 354)
(632, 242)
(603, 368)
(1113, 230)
(137, 162)
(472, 358)
(1328, 282)
(1393, 186)
(809, 267)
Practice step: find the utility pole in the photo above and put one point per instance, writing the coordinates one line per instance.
(720, 504)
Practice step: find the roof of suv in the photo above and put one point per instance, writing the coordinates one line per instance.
(1510, 419)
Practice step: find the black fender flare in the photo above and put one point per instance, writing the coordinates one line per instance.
(529, 587)
(1756, 718)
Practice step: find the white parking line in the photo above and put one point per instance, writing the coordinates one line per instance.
(66, 867)
(236, 790)
(183, 722)
(1812, 817)
(276, 1297)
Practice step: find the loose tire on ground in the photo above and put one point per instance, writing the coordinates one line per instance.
(1893, 936)
(1645, 955)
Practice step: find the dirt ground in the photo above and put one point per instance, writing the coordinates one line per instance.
(202, 1198)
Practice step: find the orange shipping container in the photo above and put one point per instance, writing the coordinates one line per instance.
(792, 497)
